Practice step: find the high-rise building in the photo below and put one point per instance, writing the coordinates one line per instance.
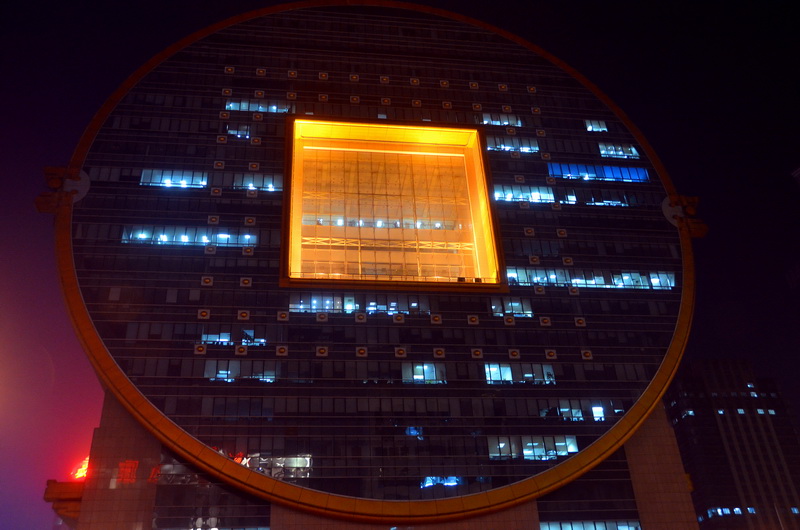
(375, 263)
(740, 444)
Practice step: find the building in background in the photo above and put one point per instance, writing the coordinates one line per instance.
(740, 444)
(377, 264)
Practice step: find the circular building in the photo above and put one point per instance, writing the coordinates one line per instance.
(376, 261)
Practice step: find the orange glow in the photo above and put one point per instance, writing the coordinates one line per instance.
(79, 472)
(389, 203)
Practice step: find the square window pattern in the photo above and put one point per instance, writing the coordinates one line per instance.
(389, 203)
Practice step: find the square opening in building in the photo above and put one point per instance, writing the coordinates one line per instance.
(389, 203)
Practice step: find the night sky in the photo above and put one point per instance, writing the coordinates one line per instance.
(713, 86)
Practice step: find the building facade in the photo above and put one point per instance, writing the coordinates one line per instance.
(740, 444)
(376, 263)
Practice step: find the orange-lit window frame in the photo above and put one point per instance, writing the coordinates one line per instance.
(405, 139)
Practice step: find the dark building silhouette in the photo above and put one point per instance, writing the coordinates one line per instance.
(740, 444)
(373, 264)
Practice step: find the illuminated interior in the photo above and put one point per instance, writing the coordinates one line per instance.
(389, 203)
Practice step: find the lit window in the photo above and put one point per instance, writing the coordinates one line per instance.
(501, 119)
(512, 143)
(686, 413)
(187, 235)
(591, 278)
(415, 432)
(239, 131)
(173, 178)
(512, 305)
(595, 125)
(795, 509)
(257, 105)
(617, 150)
(249, 338)
(771, 412)
(721, 412)
(223, 339)
(222, 370)
(740, 411)
(427, 482)
(538, 374)
(389, 203)
(760, 411)
(570, 409)
(504, 447)
(540, 194)
(497, 373)
(432, 373)
(751, 510)
(737, 511)
(547, 447)
(598, 414)
(590, 172)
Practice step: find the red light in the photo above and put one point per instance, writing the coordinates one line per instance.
(126, 472)
(80, 472)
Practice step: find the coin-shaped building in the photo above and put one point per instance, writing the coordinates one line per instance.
(374, 261)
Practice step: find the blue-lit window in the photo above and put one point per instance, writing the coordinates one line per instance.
(607, 198)
(427, 482)
(188, 235)
(511, 143)
(750, 509)
(223, 339)
(501, 119)
(512, 305)
(591, 525)
(523, 193)
(504, 447)
(794, 509)
(760, 411)
(686, 413)
(617, 150)
(228, 371)
(591, 278)
(591, 172)
(430, 373)
(174, 178)
(322, 302)
(178, 178)
(771, 412)
(595, 125)
(721, 412)
(222, 370)
(547, 447)
(300, 302)
(414, 431)
(239, 130)
(598, 414)
(740, 411)
(257, 105)
(250, 181)
(538, 374)
(497, 373)
(249, 338)
(530, 447)
(570, 409)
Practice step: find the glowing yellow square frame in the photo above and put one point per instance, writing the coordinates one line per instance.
(389, 203)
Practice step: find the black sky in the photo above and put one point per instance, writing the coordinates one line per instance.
(714, 87)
